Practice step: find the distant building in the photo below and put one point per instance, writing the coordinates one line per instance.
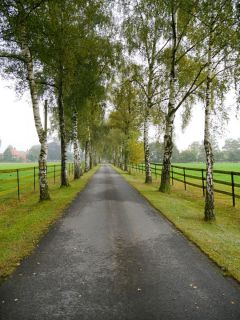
(19, 155)
(12, 154)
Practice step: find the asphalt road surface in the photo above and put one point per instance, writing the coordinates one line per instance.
(112, 256)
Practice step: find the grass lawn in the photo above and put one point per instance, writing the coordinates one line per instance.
(222, 181)
(23, 223)
(220, 240)
(8, 180)
(228, 166)
(17, 165)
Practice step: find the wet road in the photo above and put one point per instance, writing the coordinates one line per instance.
(112, 256)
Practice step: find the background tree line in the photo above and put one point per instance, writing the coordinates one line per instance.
(230, 152)
(10, 154)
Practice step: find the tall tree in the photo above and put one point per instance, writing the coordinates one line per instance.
(217, 22)
(126, 116)
(17, 24)
(182, 70)
(68, 28)
(143, 28)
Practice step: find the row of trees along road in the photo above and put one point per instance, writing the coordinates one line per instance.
(180, 53)
(143, 61)
(60, 51)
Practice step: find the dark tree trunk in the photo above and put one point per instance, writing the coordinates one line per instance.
(64, 176)
(168, 143)
(86, 169)
(90, 157)
(125, 165)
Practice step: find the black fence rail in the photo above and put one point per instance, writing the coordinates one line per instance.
(15, 183)
(225, 182)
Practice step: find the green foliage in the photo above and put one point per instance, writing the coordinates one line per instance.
(7, 154)
(136, 151)
(231, 150)
(33, 153)
(126, 116)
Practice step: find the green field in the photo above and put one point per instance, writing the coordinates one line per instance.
(228, 166)
(197, 178)
(20, 165)
(17, 165)
(28, 178)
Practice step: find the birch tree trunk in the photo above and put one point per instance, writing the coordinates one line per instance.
(168, 143)
(42, 135)
(76, 149)
(167, 156)
(90, 156)
(148, 172)
(209, 195)
(86, 169)
(125, 154)
(64, 176)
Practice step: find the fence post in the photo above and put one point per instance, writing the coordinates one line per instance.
(184, 175)
(34, 178)
(54, 173)
(155, 168)
(233, 191)
(203, 190)
(172, 174)
(18, 184)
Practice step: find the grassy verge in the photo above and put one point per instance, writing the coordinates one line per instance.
(23, 224)
(220, 240)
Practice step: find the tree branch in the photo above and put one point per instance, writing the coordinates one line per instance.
(13, 56)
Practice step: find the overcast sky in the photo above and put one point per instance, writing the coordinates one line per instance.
(17, 124)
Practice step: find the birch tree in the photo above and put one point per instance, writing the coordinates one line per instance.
(143, 27)
(217, 21)
(68, 28)
(126, 115)
(184, 71)
(17, 51)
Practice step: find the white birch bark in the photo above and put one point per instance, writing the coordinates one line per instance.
(42, 135)
(76, 149)
(209, 194)
(148, 172)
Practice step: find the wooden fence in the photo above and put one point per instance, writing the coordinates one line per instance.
(17, 182)
(225, 182)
